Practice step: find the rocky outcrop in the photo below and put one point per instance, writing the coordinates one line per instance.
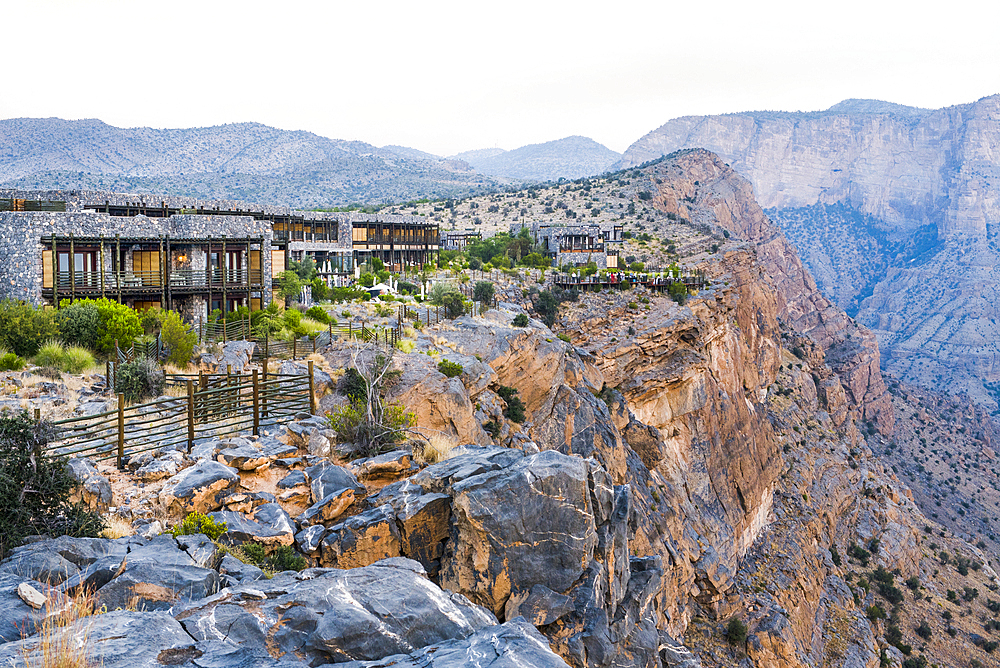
(930, 180)
(699, 186)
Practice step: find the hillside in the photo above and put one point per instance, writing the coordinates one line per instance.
(910, 246)
(245, 161)
(568, 158)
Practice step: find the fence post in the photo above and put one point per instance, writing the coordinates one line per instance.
(256, 405)
(107, 375)
(190, 415)
(121, 432)
(38, 414)
(295, 346)
(266, 336)
(350, 329)
(229, 382)
(263, 409)
(201, 332)
(312, 390)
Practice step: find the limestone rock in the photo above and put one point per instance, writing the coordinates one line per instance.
(31, 596)
(362, 539)
(93, 489)
(328, 508)
(199, 488)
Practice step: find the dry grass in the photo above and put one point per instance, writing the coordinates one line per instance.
(116, 526)
(63, 641)
(438, 448)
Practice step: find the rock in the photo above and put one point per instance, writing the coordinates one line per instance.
(442, 405)
(93, 489)
(17, 618)
(328, 478)
(162, 549)
(157, 469)
(147, 529)
(275, 449)
(149, 585)
(240, 572)
(291, 480)
(243, 530)
(199, 488)
(675, 655)
(539, 605)
(273, 515)
(118, 639)
(362, 540)
(318, 444)
(41, 565)
(31, 596)
(325, 616)
(200, 548)
(468, 462)
(513, 643)
(423, 522)
(299, 431)
(245, 458)
(309, 539)
(328, 508)
(388, 466)
(94, 576)
(528, 524)
(322, 381)
(235, 354)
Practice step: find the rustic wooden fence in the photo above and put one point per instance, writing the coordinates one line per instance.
(214, 405)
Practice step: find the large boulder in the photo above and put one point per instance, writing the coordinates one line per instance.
(93, 489)
(242, 529)
(326, 478)
(147, 585)
(323, 616)
(115, 639)
(18, 617)
(362, 540)
(529, 524)
(199, 488)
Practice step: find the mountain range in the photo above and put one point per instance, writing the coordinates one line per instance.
(256, 163)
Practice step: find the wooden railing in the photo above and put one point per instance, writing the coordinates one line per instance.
(213, 405)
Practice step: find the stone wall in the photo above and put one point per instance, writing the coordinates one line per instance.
(21, 247)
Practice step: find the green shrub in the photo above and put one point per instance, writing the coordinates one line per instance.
(318, 314)
(875, 612)
(11, 362)
(138, 380)
(736, 631)
(454, 304)
(23, 328)
(320, 290)
(35, 487)
(285, 558)
(116, 322)
(564, 337)
(515, 407)
(492, 428)
(835, 555)
(924, 630)
(178, 338)
(483, 292)
(77, 359)
(633, 305)
(520, 320)
(80, 324)
(450, 369)
(859, 553)
(50, 354)
(678, 292)
(196, 523)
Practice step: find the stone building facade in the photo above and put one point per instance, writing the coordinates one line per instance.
(577, 245)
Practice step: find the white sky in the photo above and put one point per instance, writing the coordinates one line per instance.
(446, 77)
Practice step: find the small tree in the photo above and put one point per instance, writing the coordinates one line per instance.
(291, 285)
(179, 339)
(483, 292)
(736, 631)
(35, 487)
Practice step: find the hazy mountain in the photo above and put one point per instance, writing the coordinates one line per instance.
(569, 158)
(895, 211)
(246, 161)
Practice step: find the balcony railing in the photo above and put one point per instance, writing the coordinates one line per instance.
(581, 248)
(139, 280)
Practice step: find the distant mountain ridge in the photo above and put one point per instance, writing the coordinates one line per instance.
(568, 158)
(247, 161)
(257, 163)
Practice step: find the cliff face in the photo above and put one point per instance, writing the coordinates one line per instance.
(932, 181)
(699, 186)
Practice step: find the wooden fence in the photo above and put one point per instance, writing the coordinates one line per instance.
(214, 405)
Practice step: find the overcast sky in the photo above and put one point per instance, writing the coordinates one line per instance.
(445, 77)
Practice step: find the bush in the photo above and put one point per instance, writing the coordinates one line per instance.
(520, 320)
(515, 407)
(564, 337)
(178, 338)
(23, 328)
(736, 632)
(454, 304)
(11, 362)
(80, 324)
(547, 307)
(138, 380)
(450, 369)
(196, 523)
(875, 612)
(678, 292)
(492, 428)
(924, 630)
(318, 314)
(835, 555)
(320, 290)
(483, 292)
(859, 553)
(475, 264)
(35, 487)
